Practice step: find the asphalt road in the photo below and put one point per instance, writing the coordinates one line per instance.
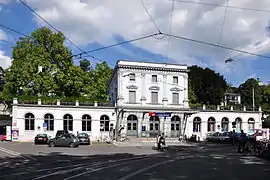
(114, 163)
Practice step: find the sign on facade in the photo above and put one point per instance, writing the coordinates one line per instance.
(15, 134)
(159, 114)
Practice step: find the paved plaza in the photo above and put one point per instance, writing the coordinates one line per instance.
(25, 161)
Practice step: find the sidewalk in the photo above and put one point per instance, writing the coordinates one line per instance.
(147, 144)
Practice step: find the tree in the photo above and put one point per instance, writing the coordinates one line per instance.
(100, 82)
(85, 65)
(191, 94)
(245, 90)
(2, 76)
(209, 86)
(42, 49)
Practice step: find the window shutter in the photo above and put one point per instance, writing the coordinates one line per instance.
(132, 96)
(175, 98)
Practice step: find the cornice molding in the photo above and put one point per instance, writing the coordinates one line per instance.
(152, 68)
(155, 88)
(176, 89)
(132, 87)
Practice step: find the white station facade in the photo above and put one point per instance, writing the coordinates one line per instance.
(145, 98)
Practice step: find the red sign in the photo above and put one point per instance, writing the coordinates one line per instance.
(152, 114)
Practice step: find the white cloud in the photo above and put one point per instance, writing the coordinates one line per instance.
(5, 61)
(3, 36)
(98, 21)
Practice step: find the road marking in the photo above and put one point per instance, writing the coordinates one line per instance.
(106, 167)
(85, 166)
(145, 169)
(8, 151)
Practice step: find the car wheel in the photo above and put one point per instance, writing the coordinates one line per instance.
(72, 145)
(51, 144)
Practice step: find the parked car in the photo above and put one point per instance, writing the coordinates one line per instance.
(66, 140)
(41, 139)
(212, 137)
(61, 132)
(224, 137)
(84, 138)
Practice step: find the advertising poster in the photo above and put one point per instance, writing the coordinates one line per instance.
(8, 132)
(15, 134)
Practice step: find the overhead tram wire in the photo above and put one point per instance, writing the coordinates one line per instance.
(120, 43)
(25, 35)
(215, 45)
(151, 18)
(223, 22)
(31, 9)
(170, 31)
(13, 30)
(220, 5)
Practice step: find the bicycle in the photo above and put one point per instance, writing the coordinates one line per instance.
(244, 150)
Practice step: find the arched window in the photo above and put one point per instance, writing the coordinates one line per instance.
(29, 122)
(49, 120)
(251, 125)
(68, 122)
(154, 123)
(175, 123)
(104, 123)
(225, 124)
(86, 122)
(211, 127)
(132, 123)
(197, 124)
(238, 122)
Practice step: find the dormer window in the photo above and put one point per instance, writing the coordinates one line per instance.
(132, 77)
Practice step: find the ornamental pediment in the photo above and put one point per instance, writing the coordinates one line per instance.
(156, 88)
(132, 87)
(175, 89)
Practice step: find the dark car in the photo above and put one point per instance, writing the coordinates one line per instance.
(84, 138)
(66, 140)
(61, 132)
(41, 139)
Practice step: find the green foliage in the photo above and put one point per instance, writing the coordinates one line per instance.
(43, 67)
(209, 86)
(245, 90)
(85, 65)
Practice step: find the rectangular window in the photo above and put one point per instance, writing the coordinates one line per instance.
(29, 124)
(154, 97)
(86, 125)
(154, 78)
(68, 125)
(175, 97)
(175, 79)
(132, 96)
(50, 125)
(132, 77)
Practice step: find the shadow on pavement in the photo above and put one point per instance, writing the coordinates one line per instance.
(179, 162)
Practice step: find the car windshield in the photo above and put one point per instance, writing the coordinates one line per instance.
(82, 135)
(42, 135)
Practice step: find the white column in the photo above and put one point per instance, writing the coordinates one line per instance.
(165, 92)
(120, 88)
(143, 89)
(186, 104)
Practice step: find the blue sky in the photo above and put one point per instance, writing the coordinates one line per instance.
(91, 25)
